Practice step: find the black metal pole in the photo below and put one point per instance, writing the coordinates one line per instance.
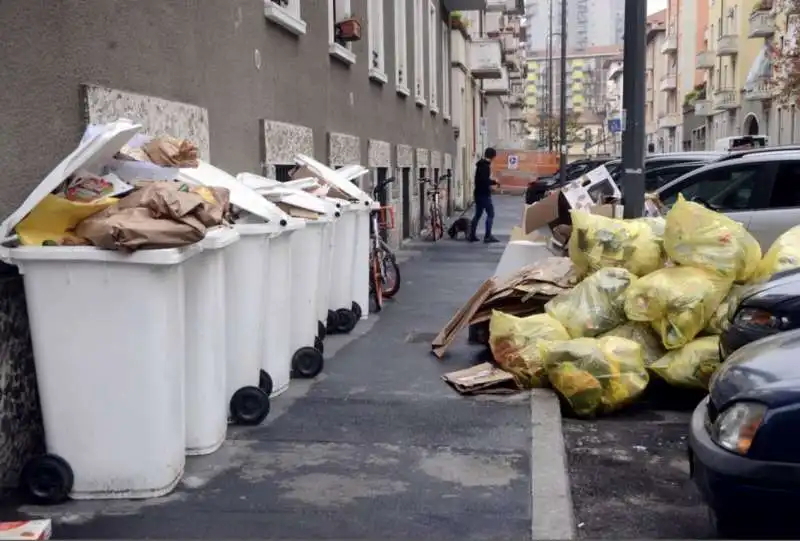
(550, 76)
(633, 106)
(563, 95)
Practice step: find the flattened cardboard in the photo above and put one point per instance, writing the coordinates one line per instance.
(481, 379)
(541, 213)
(461, 319)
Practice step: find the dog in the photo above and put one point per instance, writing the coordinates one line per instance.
(461, 225)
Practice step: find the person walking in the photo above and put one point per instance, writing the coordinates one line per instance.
(483, 196)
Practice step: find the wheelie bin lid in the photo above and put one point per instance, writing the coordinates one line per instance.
(339, 179)
(278, 193)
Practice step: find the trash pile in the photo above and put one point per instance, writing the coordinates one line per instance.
(652, 296)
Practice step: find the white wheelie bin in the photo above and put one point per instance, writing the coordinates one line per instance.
(109, 345)
(247, 265)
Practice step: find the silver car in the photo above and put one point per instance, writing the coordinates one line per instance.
(761, 190)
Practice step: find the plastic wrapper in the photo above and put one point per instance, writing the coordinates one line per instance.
(598, 242)
(691, 366)
(677, 301)
(644, 335)
(514, 340)
(698, 237)
(595, 305)
(722, 315)
(783, 255)
(595, 375)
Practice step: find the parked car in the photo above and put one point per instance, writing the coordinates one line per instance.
(744, 445)
(761, 190)
(657, 161)
(537, 188)
(763, 310)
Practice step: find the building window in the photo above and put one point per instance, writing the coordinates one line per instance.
(339, 10)
(285, 13)
(377, 35)
(283, 173)
(433, 46)
(446, 72)
(419, 52)
(401, 47)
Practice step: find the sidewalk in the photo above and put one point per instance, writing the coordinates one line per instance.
(377, 447)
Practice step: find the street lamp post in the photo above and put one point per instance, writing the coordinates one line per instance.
(550, 76)
(563, 95)
(633, 107)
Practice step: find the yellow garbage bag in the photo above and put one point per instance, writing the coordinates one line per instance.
(721, 318)
(595, 375)
(597, 242)
(595, 305)
(691, 366)
(783, 255)
(513, 341)
(698, 237)
(677, 301)
(644, 335)
(55, 217)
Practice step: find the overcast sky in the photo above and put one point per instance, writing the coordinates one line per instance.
(656, 5)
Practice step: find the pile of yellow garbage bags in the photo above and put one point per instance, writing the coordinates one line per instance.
(656, 294)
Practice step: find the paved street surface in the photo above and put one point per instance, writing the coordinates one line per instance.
(378, 447)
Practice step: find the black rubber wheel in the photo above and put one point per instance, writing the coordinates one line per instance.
(322, 330)
(249, 406)
(333, 322)
(347, 320)
(391, 288)
(357, 310)
(307, 363)
(265, 382)
(319, 345)
(47, 479)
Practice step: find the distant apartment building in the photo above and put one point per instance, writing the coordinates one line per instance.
(590, 23)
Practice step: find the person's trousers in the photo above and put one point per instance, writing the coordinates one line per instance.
(483, 203)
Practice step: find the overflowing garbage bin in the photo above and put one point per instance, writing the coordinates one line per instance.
(108, 331)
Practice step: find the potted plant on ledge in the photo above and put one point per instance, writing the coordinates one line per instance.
(348, 29)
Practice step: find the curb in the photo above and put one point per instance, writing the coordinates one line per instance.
(552, 514)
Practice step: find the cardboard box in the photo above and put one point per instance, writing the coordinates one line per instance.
(26, 530)
(481, 379)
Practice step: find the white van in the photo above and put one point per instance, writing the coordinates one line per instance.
(741, 142)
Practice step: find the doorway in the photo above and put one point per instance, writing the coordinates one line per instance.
(382, 196)
(423, 190)
(406, 210)
(751, 126)
(449, 192)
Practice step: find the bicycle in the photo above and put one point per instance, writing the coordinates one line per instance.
(435, 206)
(384, 271)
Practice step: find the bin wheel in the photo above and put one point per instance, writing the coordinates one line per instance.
(319, 345)
(322, 330)
(333, 321)
(47, 479)
(356, 308)
(347, 320)
(307, 363)
(249, 406)
(265, 382)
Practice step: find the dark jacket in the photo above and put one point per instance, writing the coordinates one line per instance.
(483, 178)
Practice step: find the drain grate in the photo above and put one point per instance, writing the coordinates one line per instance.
(419, 337)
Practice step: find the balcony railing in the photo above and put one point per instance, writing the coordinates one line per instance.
(726, 98)
(669, 82)
(485, 59)
(728, 45)
(761, 24)
(761, 89)
(703, 108)
(669, 120)
(705, 60)
(670, 44)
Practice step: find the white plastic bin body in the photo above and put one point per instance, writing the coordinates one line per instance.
(276, 345)
(343, 257)
(306, 259)
(361, 272)
(334, 210)
(246, 278)
(206, 392)
(109, 339)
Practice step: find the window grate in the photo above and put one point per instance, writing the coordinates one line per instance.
(283, 173)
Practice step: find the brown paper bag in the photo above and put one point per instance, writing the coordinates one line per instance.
(171, 152)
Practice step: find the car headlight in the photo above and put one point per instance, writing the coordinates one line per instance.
(736, 426)
(755, 317)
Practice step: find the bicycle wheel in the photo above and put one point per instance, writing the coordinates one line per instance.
(437, 228)
(375, 286)
(391, 276)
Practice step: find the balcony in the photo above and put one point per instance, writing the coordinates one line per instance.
(669, 82)
(705, 60)
(703, 108)
(670, 44)
(725, 99)
(497, 87)
(515, 7)
(669, 120)
(760, 90)
(465, 5)
(495, 5)
(510, 43)
(485, 59)
(728, 45)
(761, 24)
